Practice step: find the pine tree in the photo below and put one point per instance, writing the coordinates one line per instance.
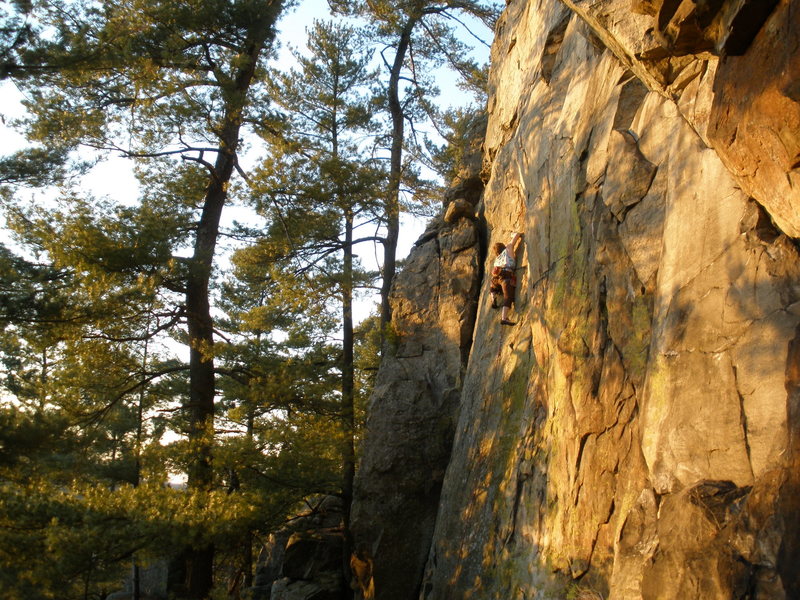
(155, 81)
(321, 190)
(417, 31)
(278, 398)
(73, 423)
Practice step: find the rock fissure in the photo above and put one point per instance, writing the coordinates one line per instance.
(521, 479)
(743, 419)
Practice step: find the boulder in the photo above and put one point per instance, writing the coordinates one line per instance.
(459, 208)
(304, 556)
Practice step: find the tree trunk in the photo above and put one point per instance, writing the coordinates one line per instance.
(202, 389)
(199, 561)
(395, 172)
(348, 398)
(200, 405)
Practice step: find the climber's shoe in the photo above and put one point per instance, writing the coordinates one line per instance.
(507, 322)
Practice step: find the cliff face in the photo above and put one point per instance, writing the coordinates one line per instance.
(413, 411)
(635, 433)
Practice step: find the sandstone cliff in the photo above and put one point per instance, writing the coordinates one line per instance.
(635, 435)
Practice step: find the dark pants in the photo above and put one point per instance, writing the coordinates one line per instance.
(507, 281)
(509, 287)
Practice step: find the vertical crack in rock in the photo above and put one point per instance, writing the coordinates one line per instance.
(789, 500)
(439, 279)
(743, 417)
(515, 508)
(578, 459)
(551, 47)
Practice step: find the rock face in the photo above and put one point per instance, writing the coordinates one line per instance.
(635, 435)
(414, 407)
(746, 105)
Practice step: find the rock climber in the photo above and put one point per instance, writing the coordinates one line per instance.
(504, 277)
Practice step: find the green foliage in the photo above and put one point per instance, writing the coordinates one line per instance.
(460, 131)
(57, 542)
(14, 33)
(36, 167)
(392, 14)
(420, 35)
(151, 72)
(433, 29)
(367, 352)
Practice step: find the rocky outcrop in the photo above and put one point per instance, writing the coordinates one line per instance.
(303, 561)
(414, 407)
(635, 435)
(692, 26)
(745, 105)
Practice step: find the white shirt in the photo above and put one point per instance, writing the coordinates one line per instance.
(505, 261)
